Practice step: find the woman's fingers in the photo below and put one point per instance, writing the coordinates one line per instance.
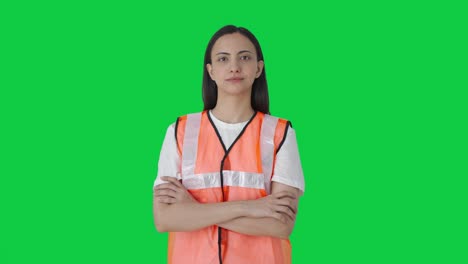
(165, 192)
(173, 181)
(174, 189)
(166, 200)
(285, 203)
(287, 211)
(284, 194)
(288, 203)
(281, 217)
(170, 186)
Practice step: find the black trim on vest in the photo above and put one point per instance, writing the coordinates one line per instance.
(217, 133)
(175, 130)
(226, 152)
(284, 137)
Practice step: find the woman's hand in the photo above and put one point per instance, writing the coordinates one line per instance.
(172, 192)
(281, 206)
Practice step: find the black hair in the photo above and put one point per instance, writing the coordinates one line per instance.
(259, 96)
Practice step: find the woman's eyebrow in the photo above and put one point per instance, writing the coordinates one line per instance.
(226, 53)
(242, 51)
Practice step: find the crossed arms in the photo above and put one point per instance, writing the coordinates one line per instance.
(273, 215)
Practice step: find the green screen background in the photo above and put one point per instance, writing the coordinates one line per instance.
(376, 92)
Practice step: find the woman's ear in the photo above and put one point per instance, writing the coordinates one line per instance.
(209, 69)
(260, 64)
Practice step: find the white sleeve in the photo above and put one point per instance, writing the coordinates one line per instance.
(288, 169)
(169, 157)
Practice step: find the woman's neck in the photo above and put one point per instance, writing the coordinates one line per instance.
(232, 109)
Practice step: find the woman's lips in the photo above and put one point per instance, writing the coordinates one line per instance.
(234, 79)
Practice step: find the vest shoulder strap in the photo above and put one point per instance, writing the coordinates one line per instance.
(187, 131)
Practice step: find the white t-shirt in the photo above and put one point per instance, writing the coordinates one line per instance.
(288, 169)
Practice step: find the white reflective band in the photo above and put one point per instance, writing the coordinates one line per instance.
(267, 147)
(231, 178)
(190, 148)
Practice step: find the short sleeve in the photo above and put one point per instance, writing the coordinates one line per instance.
(288, 168)
(169, 157)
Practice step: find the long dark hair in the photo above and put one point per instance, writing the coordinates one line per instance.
(259, 97)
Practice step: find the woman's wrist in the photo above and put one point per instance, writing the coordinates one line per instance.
(243, 208)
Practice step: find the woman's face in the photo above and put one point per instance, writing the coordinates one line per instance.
(234, 66)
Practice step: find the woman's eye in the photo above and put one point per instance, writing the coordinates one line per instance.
(222, 59)
(245, 57)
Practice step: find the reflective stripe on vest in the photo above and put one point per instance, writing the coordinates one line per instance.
(267, 137)
(246, 171)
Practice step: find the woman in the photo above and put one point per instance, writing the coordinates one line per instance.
(229, 178)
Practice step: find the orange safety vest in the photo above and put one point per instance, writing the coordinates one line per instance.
(213, 174)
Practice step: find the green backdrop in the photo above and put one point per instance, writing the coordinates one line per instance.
(376, 92)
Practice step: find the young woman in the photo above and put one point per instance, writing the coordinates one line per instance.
(229, 178)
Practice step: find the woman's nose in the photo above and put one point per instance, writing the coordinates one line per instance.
(235, 66)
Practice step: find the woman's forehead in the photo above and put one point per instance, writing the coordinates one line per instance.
(233, 43)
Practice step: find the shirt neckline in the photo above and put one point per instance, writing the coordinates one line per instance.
(226, 125)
